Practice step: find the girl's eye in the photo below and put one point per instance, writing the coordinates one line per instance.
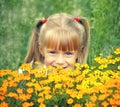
(52, 52)
(68, 53)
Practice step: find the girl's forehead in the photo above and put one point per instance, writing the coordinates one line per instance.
(62, 40)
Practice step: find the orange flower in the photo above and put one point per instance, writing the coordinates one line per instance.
(10, 78)
(114, 105)
(4, 104)
(26, 104)
(19, 90)
(12, 83)
(40, 100)
(112, 101)
(77, 105)
(103, 88)
(116, 96)
(24, 97)
(105, 104)
(42, 105)
(5, 84)
(102, 97)
(93, 98)
(14, 95)
(2, 98)
(15, 74)
(73, 93)
(16, 79)
(28, 96)
(70, 101)
(70, 84)
(30, 90)
(90, 104)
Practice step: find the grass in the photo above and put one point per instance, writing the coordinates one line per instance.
(19, 18)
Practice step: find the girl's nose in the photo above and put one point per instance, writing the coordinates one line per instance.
(60, 60)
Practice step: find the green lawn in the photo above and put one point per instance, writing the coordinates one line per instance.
(18, 18)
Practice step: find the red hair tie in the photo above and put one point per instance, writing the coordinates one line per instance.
(77, 19)
(44, 20)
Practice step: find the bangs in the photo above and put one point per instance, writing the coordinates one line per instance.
(62, 40)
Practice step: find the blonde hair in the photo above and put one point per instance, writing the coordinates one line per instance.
(60, 32)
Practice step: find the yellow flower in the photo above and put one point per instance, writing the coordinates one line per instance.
(93, 67)
(33, 80)
(85, 66)
(41, 94)
(102, 66)
(117, 59)
(37, 63)
(79, 95)
(117, 51)
(99, 82)
(46, 88)
(118, 67)
(70, 101)
(29, 84)
(58, 85)
(26, 67)
(78, 87)
(112, 61)
(37, 87)
(110, 56)
(97, 59)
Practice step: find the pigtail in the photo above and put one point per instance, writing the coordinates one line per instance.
(86, 41)
(33, 53)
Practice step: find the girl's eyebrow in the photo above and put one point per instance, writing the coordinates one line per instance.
(50, 49)
(70, 51)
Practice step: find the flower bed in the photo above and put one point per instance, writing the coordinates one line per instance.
(85, 86)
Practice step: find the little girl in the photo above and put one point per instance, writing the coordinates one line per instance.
(61, 40)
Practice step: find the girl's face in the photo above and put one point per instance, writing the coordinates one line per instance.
(59, 58)
(60, 47)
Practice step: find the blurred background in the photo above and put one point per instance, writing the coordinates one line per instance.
(18, 18)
